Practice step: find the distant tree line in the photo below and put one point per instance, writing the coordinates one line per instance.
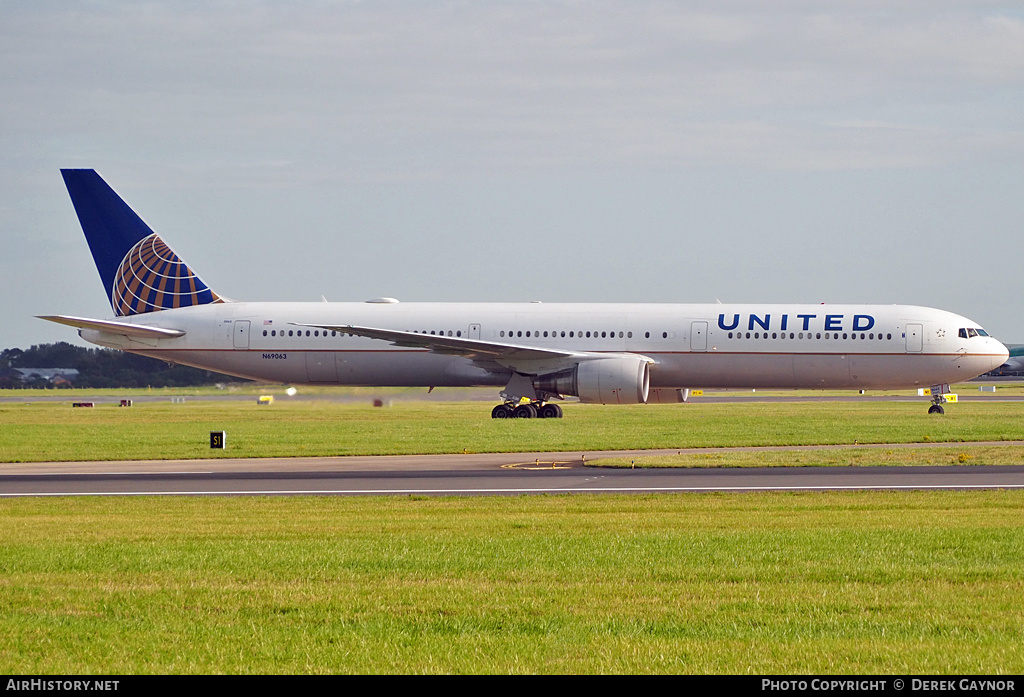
(101, 367)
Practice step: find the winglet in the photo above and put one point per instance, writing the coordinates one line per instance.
(139, 271)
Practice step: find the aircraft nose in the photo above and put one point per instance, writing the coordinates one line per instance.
(1000, 353)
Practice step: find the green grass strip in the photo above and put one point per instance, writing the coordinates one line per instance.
(886, 582)
(33, 432)
(894, 456)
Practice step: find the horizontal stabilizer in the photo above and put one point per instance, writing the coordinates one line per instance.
(113, 327)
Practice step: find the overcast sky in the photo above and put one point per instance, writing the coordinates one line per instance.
(745, 151)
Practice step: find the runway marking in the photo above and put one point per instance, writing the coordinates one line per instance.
(557, 490)
(539, 466)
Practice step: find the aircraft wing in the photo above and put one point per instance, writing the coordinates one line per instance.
(523, 359)
(140, 331)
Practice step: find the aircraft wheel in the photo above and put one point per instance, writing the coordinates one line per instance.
(936, 409)
(550, 411)
(502, 411)
(525, 411)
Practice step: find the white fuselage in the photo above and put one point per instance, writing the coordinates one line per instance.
(690, 346)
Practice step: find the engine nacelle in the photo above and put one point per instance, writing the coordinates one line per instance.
(668, 395)
(619, 380)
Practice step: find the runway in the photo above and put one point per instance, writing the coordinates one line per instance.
(473, 474)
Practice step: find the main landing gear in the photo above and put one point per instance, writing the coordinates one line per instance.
(533, 410)
(524, 401)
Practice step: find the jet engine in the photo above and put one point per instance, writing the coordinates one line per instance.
(619, 380)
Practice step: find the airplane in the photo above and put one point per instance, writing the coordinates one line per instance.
(1013, 364)
(538, 353)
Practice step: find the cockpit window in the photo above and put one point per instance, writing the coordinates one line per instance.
(971, 332)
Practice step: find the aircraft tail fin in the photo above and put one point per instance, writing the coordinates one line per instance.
(139, 271)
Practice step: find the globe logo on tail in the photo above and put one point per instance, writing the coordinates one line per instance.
(152, 277)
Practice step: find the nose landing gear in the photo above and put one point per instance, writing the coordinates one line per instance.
(940, 395)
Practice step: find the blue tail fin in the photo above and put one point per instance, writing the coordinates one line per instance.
(139, 271)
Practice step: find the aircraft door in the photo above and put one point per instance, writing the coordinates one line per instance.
(474, 331)
(240, 334)
(698, 336)
(915, 338)
(321, 366)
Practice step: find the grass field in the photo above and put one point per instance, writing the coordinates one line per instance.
(769, 583)
(912, 583)
(894, 456)
(43, 431)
